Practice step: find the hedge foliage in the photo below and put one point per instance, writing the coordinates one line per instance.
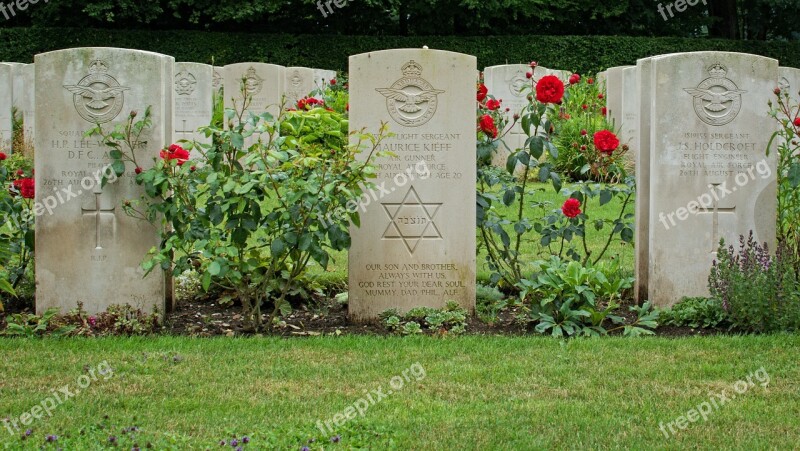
(583, 54)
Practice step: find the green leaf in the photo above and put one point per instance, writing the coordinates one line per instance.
(508, 197)
(626, 235)
(214, 268)
(277, 247)
(794, 175)
(119, 167)
(605, 197)
(237, 140)
(536, 147)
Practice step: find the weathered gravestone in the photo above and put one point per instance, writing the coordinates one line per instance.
(614, 90)
(6, 101)
(323, 77)
(600, 79)
(629, 113)
(508, 82)
(789, 81)
(707, 131)
(263, 85)
(193, 100)
(217, 80)
(298, 84)
(87, 249)
(24, 97)
(416, 243)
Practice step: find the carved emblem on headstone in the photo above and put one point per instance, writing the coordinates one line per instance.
(216, 79)
(98, 97)
(252, 82)
(296, 79)
(184, 83)
(411, 100)
(411, 220)
(784, 85)
(517, 83)
(717, 99)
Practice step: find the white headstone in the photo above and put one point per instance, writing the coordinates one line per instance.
(416, 244)
(323, 76)
(789, 81)
(644, 88)
(600, 79)
(217, 79)
(87, 249)
(6, 100)
(298, 84)
(24, 90)
(614, 90)
(263, 84)
(508, 82)
(709, 177)
(629, 113)
(193, 101)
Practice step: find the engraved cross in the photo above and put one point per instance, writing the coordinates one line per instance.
(717, 210)
(101, 207)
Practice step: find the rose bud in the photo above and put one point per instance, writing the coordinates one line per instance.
(583, 132)
(133, 114)
(777, 91)
(528, 74)
(625, 147)
(138, 170)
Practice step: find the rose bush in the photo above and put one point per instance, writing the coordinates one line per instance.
(253, 218)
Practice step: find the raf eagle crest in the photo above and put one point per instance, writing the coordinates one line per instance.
(411, 100)
(717, 100)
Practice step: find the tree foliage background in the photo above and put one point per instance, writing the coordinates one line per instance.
(732, 19)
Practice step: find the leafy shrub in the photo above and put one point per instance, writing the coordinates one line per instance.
(502, 234)
(584, 54)
(252, 217)
(451, 319)
(582, 114)
(759, 292)
(570, 298)
(787, 140)
(695, 312)
(30, 326)
(17, 231)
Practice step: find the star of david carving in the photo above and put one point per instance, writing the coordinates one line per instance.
(411, 220)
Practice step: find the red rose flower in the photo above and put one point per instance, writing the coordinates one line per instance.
(606, 142)
(482, 91)
(590, 81)
(796, 124)
(585, 106)
(487, 126)
(603, 111)
(571, 207)
(492, 104)
(574, 78)
(26, 187)
(3, 156)
(549, 89)
(175, 152)
(333, 81)
(600, 96)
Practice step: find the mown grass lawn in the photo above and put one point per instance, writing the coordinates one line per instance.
(477, 392)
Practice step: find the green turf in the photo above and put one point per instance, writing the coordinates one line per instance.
(477, 392)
